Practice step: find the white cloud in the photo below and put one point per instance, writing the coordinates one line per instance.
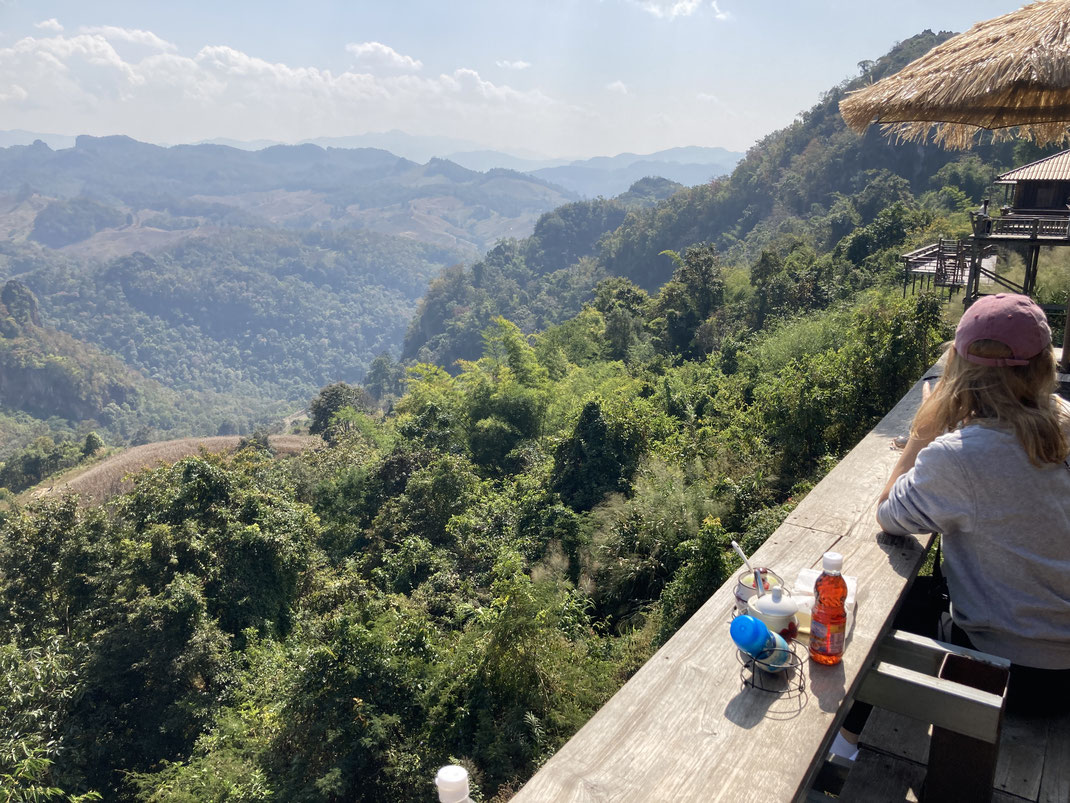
(716, 102)
(671, 9)
(513, 65)
(49, 25)
(132, 36)
(376, 54)
(85, 83)
(14, 93)
(619, 87)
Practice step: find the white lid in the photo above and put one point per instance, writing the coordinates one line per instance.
(832, 562)
(775, 603)
(452, 783)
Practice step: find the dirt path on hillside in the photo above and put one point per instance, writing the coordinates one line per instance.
(108, 478)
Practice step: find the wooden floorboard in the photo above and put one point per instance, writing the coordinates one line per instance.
(883, 778)
(897, 734)
(1055, 784)
(1021, 758)
(1034, 760)
(878, 777)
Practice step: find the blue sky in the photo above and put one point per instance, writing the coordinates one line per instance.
(553, 77)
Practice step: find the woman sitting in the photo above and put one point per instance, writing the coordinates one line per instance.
(986, 466)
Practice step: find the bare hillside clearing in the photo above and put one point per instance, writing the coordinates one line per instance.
(109, 477)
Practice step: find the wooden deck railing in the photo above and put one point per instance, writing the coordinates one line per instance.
(946, 263)
(1014, 227)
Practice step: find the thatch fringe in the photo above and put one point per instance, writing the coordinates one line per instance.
(961, 136)
(1010, 71)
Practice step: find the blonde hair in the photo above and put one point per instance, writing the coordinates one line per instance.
(1018, 396)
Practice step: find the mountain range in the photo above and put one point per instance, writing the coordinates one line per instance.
(184, 188)
(604, 176)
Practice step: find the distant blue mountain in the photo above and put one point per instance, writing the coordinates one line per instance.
(484, 160)
(607, 176)
(240, 144)
(611, 175)
(19, 137)
(408, 146)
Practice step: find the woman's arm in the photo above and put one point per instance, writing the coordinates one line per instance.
(910, 451)
(905, 463)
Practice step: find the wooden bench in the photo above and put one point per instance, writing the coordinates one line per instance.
(962, 692)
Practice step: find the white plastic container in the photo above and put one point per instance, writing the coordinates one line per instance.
(778, 610)
(452, 784)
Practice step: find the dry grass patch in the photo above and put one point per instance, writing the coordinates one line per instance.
(110, 477)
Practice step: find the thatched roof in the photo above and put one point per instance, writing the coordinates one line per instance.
(1010, 71)
(1051, 168)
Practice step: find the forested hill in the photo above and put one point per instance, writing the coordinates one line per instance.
(117, 183)
(51, 382)
(814, 182)
(231, 329)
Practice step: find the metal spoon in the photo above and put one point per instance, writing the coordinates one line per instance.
(743, 555)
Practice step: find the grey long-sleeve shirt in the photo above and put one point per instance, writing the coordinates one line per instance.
(1006, 539)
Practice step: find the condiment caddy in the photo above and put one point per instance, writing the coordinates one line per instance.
(770, 617)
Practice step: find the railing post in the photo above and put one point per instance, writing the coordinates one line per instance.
(1064, 363)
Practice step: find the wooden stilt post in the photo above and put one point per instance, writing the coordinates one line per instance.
(1064, 363)
(973, 281)
(1029, 285)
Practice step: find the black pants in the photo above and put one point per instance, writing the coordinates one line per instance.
(1030, 691)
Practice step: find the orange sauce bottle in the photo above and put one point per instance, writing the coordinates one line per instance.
(828, 628)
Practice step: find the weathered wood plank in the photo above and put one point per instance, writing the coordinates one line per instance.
(924, 654)
(882, 778)
(879, 777)
(686, 728)
(962, 709)
(1055, 784)
(896, 734)
(1021, 757)
(672, 726)
(1029, 768)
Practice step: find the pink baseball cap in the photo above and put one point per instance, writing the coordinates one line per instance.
(1011, 319)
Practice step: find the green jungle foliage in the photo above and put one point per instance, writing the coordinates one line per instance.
(54, 386)
(64, 222)
(252, 313)
(813, 182)
(215, 336)
(468, 578)
(43, 458)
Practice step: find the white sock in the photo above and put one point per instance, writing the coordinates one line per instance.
(843, 748)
